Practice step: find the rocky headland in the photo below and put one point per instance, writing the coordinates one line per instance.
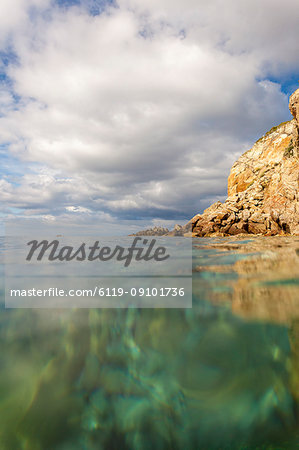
(263, 187)
(263, 190)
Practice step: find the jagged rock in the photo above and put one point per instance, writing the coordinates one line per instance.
(177, 227)
(246, 214)
(257, 227)
(179, 230)
(262, 187)
(238, 228)
(156, 231)
(294, 108)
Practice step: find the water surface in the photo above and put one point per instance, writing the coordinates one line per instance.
(222, 375)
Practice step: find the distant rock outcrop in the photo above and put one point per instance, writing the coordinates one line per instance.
(156, 231)
(263, 187)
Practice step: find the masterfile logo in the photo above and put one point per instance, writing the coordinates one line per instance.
(146, 251)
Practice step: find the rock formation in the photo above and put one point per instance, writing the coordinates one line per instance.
(178, 230)
(294, 108)
(263, 187)
(155, 231)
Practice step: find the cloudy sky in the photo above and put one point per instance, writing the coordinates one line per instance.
(136, 109)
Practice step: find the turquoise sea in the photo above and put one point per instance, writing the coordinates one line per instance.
(222, 375)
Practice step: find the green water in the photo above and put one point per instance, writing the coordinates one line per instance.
(222, 375)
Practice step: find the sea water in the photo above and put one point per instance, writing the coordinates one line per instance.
(221, 375)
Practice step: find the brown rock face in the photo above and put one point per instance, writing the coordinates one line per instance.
(263, 187)
(294, 108)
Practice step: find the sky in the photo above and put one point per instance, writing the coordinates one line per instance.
(132, 112)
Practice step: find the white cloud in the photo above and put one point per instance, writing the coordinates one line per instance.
(14, 16)
(142, 108)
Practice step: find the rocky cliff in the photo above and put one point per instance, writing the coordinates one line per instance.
(263, 186)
